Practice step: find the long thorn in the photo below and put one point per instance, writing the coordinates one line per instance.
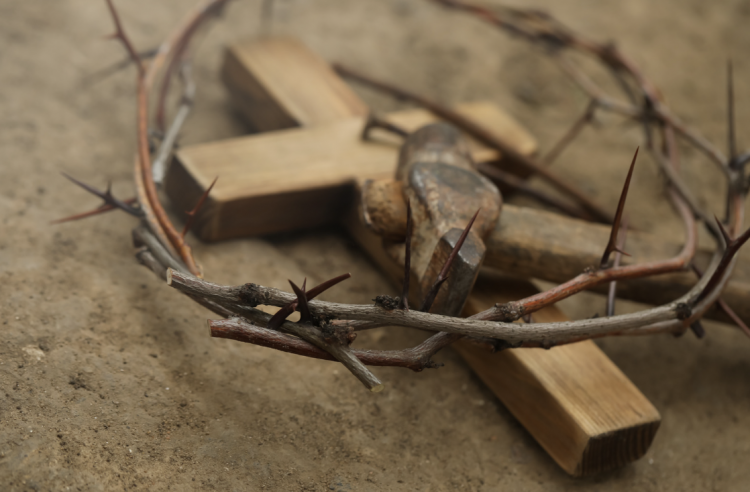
(302, 306)
(612, 244)
(282, 314)
(106, 196)
(403, 303)
(104, 208)
(324, 286)
(443, 275)
(193, 213)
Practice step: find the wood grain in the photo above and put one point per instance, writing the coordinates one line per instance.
(575, 402)
(299, 177)
(279, 83)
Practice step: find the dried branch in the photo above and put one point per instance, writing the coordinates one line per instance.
(283, 313)
(159, 169)
(665, 318)
(166, 253)
(104, 208)
(301, 301)
(109, 199)
(518, 185)
(373, 121)
(120, 35)
(733, 245)
(483, 135)
(572, 133)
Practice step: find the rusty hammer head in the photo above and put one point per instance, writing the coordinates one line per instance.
(436, 175)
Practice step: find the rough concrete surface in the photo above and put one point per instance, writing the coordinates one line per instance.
(108, 379)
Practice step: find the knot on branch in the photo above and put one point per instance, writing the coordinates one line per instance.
(388, 303)
(343, 336)
(252, 295)
(510, 311)
(683, 311)
(320, 320)
(547, 344)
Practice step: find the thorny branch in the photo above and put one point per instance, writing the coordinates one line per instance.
(327, 329)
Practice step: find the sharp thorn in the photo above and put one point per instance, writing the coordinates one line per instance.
(612, 244)
(322, 287)
(302, 306)
(281, 315)
(107, 197)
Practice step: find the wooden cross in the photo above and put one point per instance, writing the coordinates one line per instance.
(301, 173)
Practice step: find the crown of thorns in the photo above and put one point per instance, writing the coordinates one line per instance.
(326, 330)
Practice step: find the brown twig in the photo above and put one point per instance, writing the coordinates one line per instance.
(502, 178)
(571, 134)
(733, 245)
(484, 136)
(120, 34)
(166, 253)
(104, 208)
(108, 197)
(282, 314)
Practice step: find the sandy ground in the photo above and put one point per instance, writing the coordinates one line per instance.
(108, 380)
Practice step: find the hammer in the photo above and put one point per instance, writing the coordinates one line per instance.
(436, 175)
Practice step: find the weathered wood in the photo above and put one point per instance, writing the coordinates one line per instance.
(296, 178)
(575, 402)
(279, 83)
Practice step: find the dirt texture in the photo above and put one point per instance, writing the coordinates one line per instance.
(108, 378)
